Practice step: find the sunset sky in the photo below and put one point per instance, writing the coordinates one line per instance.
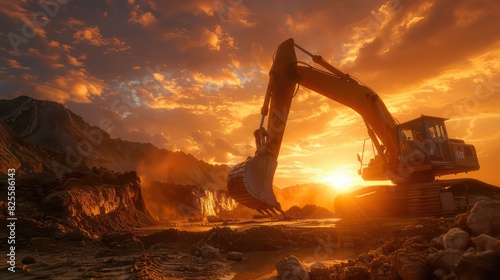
(191, 75)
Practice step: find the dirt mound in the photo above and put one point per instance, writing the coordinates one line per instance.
(309, 211)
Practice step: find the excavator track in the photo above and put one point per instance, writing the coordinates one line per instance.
(425, 201)
(437, 198)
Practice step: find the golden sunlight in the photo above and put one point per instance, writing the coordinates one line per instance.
(340, 181)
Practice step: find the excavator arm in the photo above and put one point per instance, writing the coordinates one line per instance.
(251, 182)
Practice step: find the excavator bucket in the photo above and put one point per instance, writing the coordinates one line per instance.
(250, 183)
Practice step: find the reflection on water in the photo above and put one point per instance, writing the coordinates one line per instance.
(260, 265)
(243, 224)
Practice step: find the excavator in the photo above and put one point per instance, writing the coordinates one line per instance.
(411, 154)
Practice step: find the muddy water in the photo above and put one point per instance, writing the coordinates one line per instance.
(261, 264)
(66, 259)
(257, 265)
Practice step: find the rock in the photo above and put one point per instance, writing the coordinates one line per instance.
(437, 242)
(456, 238)
(355, 273)
(379, 267)
(485, 217)
(444, 261)
(319, 271)
(78, 235)
(410, 264)
(28, 260)
(478, 265)
(57, 231)
(234, 256)
(133, 245)
(209, 253)
(290, 268)
(485, 242)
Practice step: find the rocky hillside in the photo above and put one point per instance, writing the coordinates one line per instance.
(15, 152)
(71, 143)
(80, 205)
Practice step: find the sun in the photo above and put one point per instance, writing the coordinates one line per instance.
(340, 181)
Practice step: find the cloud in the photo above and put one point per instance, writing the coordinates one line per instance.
(197, 37)
(14, 64)
(145, 19)
(74, 61)
(191, 75)
(410, 54)
(92, 35)
(75, 85)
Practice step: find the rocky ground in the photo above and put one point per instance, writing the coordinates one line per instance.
(83, 243)
(463, 247)
(174, 254)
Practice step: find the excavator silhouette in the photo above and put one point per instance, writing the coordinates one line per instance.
(410, 154)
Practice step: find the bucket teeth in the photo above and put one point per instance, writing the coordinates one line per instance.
(267, 212)
(274, 212)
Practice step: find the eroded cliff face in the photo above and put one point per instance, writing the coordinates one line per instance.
(83, 204)
(174, 202)
(212, 203)
(99, 201)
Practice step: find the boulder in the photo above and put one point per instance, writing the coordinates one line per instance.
(209, 253)
(456, 238)
(319, 271)
(411, 264)
(478, 265)
(485, 217)
(355, 273)
(444, 261)
(290, 268)
(485, 242)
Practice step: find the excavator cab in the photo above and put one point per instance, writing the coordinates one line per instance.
(425, 151)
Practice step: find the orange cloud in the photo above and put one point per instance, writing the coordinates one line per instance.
(74, 61)
(92, 35)
(143, 18)
(75, 85)
(15, 65)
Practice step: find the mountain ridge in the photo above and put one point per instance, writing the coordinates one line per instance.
(71, 143)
